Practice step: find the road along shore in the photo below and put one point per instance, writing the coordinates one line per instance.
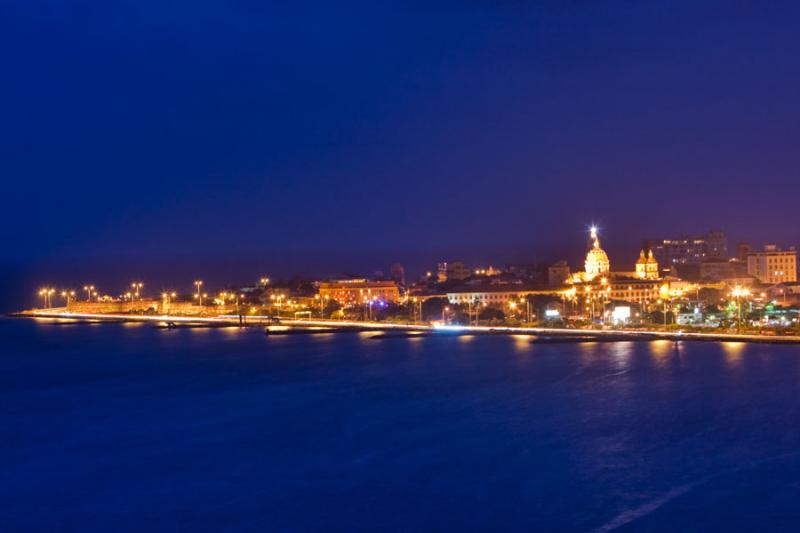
(276, 325)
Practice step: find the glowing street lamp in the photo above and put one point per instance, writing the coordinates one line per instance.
(278, 300)
(199, 296)
(527, 303)
(167, 297)
(89, 290)
(136, 286)
(739, 293)
(43, 294)
(67, 295)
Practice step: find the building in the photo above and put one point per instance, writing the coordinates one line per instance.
(349, 292)
(598, 266)
(784, 293)
(398, 273)
(743, 249)
(558, 274)
(647, 266)
(453, 270)
(773, 265)
(488, 272)
(597, 263)
(717, 270)
(485, 296)
(689, 250)
(640, 291)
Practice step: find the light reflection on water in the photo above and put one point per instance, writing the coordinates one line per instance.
(522, 343)
(661, 349)
(587, 350)
(621, 353)
(734, 352)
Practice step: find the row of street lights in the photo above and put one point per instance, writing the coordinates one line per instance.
(135, 293)
(47, 296)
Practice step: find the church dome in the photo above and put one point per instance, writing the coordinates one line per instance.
(597, 262)
(597, 256)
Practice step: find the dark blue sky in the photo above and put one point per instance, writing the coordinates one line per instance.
(141, 136)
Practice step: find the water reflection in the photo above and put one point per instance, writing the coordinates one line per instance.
(621, 354)
(661, 349)
(587, 350)
(522, 343)
(733, 353)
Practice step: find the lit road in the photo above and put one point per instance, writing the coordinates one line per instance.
(259, 320)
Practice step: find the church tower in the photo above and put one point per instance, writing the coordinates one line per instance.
(647, 266)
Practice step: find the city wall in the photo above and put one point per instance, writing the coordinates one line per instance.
(152, 306)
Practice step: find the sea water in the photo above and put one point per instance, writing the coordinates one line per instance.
(126, 427)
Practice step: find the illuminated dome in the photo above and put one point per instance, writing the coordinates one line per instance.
(597, 262)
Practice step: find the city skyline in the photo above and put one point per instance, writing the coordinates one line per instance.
(407, 141)
(710, 249)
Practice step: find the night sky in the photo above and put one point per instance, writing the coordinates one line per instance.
(167, 140)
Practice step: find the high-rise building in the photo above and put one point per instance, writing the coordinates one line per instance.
(773, 265)
(452, 270)
(558, 274)
(743, 249)
(689, 250)
(398, 273)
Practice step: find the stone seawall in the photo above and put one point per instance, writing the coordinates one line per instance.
(139, 306)
(152, 306)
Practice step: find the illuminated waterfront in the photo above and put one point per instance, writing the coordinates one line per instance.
(128, 427)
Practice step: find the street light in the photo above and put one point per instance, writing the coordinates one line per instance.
(738, 292)
(416, 301)
(67, 295)
(513, 307)
(527, 303)
(89, 290)
(136, 286)
(277, 298)
(199, 296)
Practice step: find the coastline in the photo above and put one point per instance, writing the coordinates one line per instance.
(275, 325)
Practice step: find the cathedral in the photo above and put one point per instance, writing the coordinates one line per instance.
(641, 286)
(597, 265)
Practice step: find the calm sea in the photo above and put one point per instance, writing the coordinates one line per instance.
(129, 428)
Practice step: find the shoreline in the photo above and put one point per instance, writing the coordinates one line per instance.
(275, 325)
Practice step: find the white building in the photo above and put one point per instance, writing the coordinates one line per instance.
(773, 265)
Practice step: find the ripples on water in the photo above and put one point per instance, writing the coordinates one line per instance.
(127, 427)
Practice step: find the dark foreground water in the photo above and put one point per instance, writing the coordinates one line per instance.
(126, 427)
